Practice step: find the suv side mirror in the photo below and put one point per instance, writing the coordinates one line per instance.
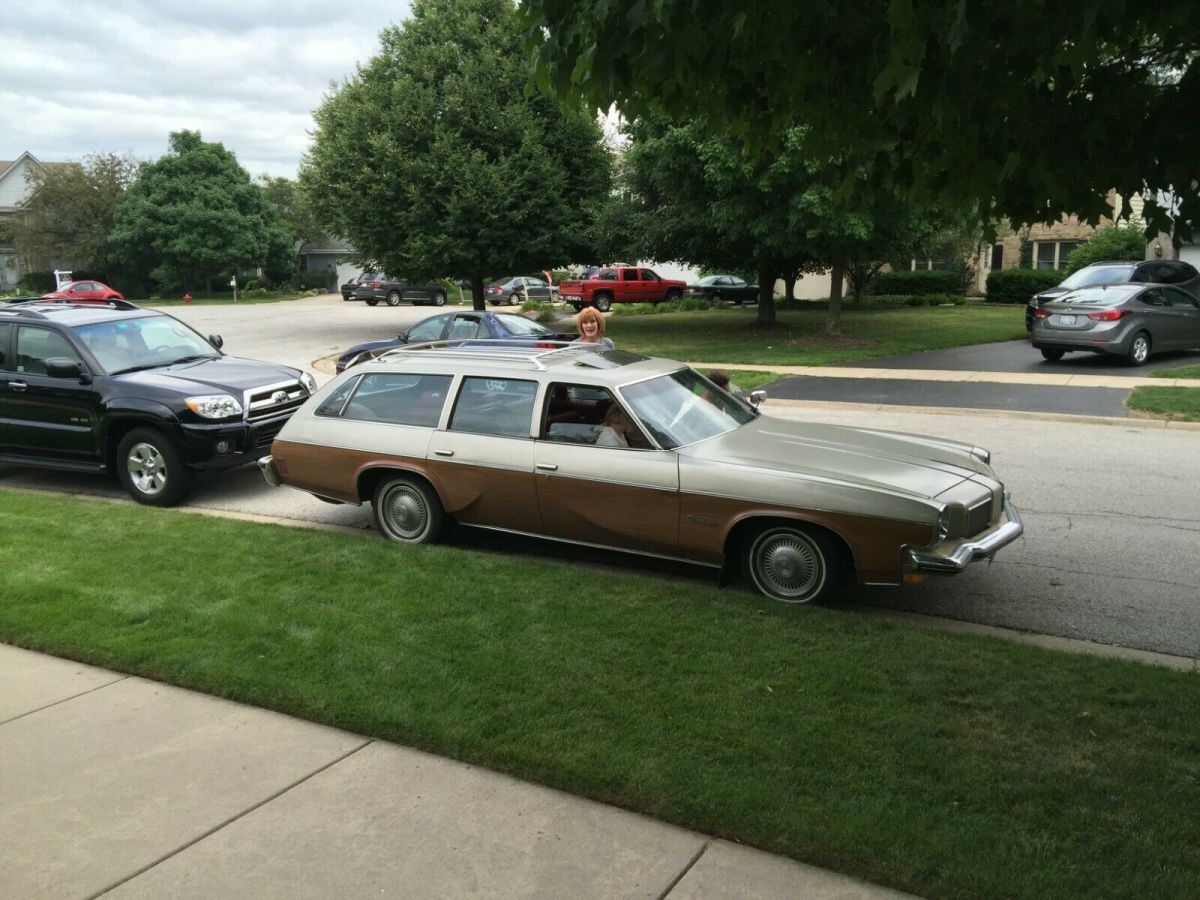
(215, 340)
(64, 367)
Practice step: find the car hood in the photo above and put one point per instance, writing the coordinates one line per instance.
(906, 464)
(371, 345)
(214, 376)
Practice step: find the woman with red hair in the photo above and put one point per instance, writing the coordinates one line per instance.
(590, 325)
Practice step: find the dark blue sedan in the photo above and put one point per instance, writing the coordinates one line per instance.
(456, 326)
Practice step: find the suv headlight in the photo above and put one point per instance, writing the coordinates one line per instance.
(310, 383)
(215, 406)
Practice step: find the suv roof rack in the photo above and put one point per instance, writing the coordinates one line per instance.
(497, 349)
(66, 301)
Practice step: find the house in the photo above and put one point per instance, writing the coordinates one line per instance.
(14, 193)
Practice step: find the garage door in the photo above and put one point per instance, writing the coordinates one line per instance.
(1190, 253)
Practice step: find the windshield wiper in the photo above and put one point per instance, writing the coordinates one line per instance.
(141, 368)
(184, 359)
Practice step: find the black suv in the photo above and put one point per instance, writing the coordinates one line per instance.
(374, 287)
(1150, 271)
(134, 392)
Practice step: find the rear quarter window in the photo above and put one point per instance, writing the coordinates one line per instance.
(396, 399)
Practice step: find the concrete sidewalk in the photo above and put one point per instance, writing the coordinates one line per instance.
(117, 786)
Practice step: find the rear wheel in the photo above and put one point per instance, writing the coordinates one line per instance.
(372, 302)
(1053, 355)
(674, 294)
(393, 298)
(1139, 350)
(602, 302)
(408, 511)
(151, 469)
(792, 564)
(717, 299)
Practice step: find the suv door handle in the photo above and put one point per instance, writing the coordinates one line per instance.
(444, 452)
(18, 385)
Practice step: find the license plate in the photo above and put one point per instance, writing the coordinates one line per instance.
(1066, 320)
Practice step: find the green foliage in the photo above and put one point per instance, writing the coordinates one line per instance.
(1018, 285)
(8, 230)
(918, 282)
(694, 304)
(433, 160)
(1178, 403)
(70, 213)
(37, 283)
(195, 212)
(953, 101)
(1113, 242)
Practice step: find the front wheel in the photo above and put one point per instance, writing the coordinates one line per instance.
(408, 511)
(393, 298)
(151, 469)
(1139, 350)
(791, 564)
(603, 303)
(439, 298)
(372, 302)
(1053, 355)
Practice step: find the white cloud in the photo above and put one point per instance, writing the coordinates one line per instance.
(78, 78)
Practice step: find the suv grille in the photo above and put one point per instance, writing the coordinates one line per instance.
(274, 400)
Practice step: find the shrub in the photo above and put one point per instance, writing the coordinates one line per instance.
(546, 315)
(946, 299)
(1114, 242)
(692, 304)
(37, 283)
(1018, 285)
(918, 300)
(921, 282)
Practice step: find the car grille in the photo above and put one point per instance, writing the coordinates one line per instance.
(979, 517)
(274, 400)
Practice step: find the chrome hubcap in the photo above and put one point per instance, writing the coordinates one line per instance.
(405, 512)
(147, 469)
(1140, 349)
(789, 566)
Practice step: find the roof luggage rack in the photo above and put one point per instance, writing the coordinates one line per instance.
(497, 348)
(66, 301)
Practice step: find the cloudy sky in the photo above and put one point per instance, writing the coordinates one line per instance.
(80, 76)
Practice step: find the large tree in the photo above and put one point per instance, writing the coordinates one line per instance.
(69, 213)
(1043, 107)
(433, 161)
(194, 214)
(295, 213)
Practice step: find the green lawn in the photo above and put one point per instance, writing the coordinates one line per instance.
(946, 765)
(730, 335)
(1183, 372)
(1180, 403)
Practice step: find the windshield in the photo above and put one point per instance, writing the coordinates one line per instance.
(1098, 275)
(521, 325)
(684, 407)
(143, 343)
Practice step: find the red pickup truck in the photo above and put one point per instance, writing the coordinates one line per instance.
(620, 284)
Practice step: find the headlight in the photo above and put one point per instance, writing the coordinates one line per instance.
(215, 406)
(310, 383)
(943, 525)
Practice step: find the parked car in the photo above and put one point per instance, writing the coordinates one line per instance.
(719, 288)
(85, 292)
(620, 284)
(1128, 320)
(135, 392)
(517, 440)
(457, 327)
(1150, 271)
(383, 288)
(350, 288)
(516, 290)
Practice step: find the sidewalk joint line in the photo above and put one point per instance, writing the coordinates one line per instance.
(245, 812)
(98, 687)
(683, 874)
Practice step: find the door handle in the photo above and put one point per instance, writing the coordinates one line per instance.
(444, 452)
(547, 467)
(17, 385)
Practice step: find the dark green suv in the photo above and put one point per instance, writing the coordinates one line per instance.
(134, 392)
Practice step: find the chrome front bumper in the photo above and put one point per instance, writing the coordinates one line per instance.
(266, 466)
(957, 556)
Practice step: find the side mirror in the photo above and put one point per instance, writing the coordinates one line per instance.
(215, 340)
(63, 367)
(758, 398)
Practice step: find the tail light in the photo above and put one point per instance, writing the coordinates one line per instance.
(1110, 315)
(1041, 313)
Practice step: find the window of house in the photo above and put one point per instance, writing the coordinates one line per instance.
(1052, 255)
(997, 257)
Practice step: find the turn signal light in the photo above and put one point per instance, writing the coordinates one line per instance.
(1109, 315)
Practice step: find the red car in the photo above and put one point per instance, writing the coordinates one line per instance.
(85, 292)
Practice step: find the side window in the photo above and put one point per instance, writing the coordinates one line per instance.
(1141, 275)
(336, 402)
(429, 330)
(582, 414)
(629, 275)
(1153, 297)
(398, 399)
(607, 275)
(502, 406)
(1175, 298)
(647, 275)
(465, 327)
(5, 334)
(36, 345)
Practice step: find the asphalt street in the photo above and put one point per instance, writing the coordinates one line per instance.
(1112, 511)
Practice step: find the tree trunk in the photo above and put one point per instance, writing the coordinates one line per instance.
(836, 278)
(477, 292)
(766, 293)
(789, 287)
(208, 283)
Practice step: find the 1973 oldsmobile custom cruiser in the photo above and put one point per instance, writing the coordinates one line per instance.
(612, 449)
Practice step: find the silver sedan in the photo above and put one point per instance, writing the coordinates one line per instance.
(1127, 320)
